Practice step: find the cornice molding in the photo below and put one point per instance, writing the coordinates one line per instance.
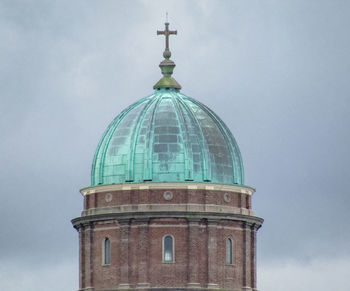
(123, 217)
(169, 186)
(165, 208)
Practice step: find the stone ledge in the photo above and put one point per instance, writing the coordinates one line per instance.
(87, 220)
(202, 208)
(190, 186)
(167, 289)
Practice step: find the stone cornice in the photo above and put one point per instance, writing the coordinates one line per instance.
(171, 186)
(87, 220)
(165, 208)
(169, 289)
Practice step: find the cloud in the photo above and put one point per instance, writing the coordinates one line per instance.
(319, 274)
(275, 71)
(17, 276)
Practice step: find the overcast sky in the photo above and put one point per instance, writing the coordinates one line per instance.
(277, 73)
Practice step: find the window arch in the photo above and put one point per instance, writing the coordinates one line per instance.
(168, 249)
(106, 251)
(229, 251)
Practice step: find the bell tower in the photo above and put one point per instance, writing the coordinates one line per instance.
(167, 208)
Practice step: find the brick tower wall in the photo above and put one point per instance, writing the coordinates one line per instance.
(136, 220)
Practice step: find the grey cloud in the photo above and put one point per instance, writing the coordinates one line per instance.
(276, 72)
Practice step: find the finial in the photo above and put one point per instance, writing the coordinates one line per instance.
(167, 66)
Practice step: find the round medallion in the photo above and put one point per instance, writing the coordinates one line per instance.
(108, 197)
(227, 197)
(168, 195)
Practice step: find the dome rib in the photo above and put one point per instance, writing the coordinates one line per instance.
(237, 158)
(229, 140)
(148, 166)
(104, 142)
(204, 146)
(136, 132)
(185, 137)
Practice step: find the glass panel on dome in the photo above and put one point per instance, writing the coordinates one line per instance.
(143, 141)
(167, 137)
(194, 144)
(219, 153)
(120, 147)
(168, 157)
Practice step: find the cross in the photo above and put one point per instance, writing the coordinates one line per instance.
(166, 32)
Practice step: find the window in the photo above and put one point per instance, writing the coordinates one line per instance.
(168, 249)
(107, 252)
(229, 257)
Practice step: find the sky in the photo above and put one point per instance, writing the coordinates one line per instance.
(276, 72)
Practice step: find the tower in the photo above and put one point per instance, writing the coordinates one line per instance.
(167, 208)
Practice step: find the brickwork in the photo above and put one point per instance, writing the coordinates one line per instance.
(136, 242)
(136, 197)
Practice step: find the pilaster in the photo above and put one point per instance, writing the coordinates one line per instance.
(124, 253)
(246, 256)
(212, 254)
(253, 256)
(81, 257)
(143, 254)
(193, 256)
(88, 257)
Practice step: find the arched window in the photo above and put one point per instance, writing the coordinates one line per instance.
(168, 249)
(107, 251)
(229, 251)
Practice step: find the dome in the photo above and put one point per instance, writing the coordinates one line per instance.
(167, 137)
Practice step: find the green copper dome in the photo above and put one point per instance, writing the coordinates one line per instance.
(167, 137)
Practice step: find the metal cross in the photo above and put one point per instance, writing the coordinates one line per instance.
(166, 32)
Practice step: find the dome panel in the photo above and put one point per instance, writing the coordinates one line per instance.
(168, 151)
(220, 157)
(167, 137)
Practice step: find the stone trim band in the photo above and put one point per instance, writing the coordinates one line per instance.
(124, 217)
(145, 186)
